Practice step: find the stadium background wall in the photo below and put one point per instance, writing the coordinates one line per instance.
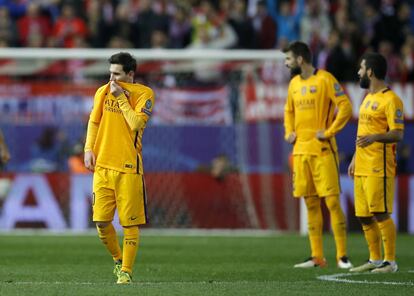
(214, 109)
(61, 202)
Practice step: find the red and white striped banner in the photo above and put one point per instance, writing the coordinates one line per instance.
(266, 100)
(192, 106)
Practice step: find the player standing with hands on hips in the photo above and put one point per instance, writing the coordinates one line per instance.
(380, 127)
(311, 123)
(113, 151)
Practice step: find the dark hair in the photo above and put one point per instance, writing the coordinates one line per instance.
(301, 49)
(126, 60)
(377, 63)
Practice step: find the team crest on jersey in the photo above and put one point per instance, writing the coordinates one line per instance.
(374, 106)
(303, 91)
(148, 104)
(312, 89)
(398, 113)
(367, 104)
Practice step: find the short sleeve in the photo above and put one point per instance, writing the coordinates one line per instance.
(394, 112)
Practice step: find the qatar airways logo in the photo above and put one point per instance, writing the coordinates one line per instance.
(365, 118)
(112, 106)
(303, 104)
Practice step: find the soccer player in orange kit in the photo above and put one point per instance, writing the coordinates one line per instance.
(113, 151)
(380, 127)
(310, 126)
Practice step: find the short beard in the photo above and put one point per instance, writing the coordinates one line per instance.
(364, 82)
(295, 71)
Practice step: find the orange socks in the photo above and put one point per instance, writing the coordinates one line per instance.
(313, 206)
(338, 224)
(373, 238)
(110, 240)
(130, 248)
(388, 235)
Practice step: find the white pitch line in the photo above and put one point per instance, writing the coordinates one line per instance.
(339, 277)
(134, 283)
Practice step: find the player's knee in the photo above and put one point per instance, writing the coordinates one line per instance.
(332, 203)
(333, 206)
(313, 209)
(131, 232)
(312, 204)
(381, 216)
(366, 220)
(102, 224)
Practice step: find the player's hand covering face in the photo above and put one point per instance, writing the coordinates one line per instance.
(115, 89)
(117, 74)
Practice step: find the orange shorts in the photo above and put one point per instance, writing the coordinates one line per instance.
(373, 195)
(315, 175)
(124, 192)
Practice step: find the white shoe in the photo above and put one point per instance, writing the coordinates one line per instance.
(344, 263)
(368, 266)
(311, 262)
(386, 267)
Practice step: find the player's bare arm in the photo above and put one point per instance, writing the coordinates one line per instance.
(4, 150)
(4, 154)
(291, 139)
(351, 167)
(320, 135)
(391, 136)
(90, 160)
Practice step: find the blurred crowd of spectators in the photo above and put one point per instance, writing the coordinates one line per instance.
(338, 31)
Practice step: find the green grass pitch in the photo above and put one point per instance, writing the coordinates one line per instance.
(41, 264)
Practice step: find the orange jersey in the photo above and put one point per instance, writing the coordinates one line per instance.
(117, 145)
(311, 105)
(378, 113)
